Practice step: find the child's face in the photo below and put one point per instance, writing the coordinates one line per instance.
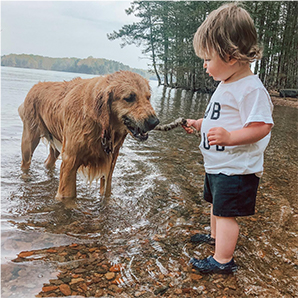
(217, 68)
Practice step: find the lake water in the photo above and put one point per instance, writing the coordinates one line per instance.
(48, 248)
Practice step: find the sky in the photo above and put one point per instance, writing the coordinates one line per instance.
(68, 29)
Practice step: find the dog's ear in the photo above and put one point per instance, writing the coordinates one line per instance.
(102, 110)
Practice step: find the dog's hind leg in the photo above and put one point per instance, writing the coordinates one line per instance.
(50, 161)
(30, 140)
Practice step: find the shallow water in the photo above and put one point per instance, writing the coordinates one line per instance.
(155, 206)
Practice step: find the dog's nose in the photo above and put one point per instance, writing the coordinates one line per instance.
(151, 122)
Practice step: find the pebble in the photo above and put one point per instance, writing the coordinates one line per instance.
(56, 282)
(99, 293)
(49, 288)
(113, 288)
(25, 254)
(110, 275)
(161, 290)
(76, 280)
(178, 291)
(80, 270)
(194, 276)
(186, 290)
(66, 279)
(65, 289)
(201, 288)
(101, 270)
(84, 287)
(50, 250)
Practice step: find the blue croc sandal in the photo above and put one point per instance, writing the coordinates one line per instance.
(202, 238)
(209, 265)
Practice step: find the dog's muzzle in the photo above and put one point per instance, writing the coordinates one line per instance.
(140, 130)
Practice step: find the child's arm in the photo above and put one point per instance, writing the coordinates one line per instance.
(195, 123)
(254, 132)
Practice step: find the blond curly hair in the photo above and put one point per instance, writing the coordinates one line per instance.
(230, 32)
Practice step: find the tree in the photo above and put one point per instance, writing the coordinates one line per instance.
(89, 65)
(166, 30)
(287, 75)
(141, 33)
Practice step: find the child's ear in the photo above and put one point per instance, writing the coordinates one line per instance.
(231, 60)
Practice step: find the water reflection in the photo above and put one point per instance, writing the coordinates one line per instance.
(144, 227)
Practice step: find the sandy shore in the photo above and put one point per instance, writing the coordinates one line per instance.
(283, 101)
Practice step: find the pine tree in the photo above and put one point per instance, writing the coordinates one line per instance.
(166, 30)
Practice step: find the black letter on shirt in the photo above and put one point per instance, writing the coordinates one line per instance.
(215, 112)
(207, 110)
(220, 148)
(205, 142)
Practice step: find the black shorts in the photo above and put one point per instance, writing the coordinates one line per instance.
(231, 196)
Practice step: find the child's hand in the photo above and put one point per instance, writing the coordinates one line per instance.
(218, 136)
(194, 123)
(250, 134)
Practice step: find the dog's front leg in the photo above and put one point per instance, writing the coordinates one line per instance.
(102, 185)
(67, 183)
(115, 154)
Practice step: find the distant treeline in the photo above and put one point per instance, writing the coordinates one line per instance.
(90, 65)
(165, 30)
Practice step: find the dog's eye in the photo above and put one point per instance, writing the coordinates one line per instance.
(130, 98)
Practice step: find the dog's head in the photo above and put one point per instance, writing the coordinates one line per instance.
(129, 104)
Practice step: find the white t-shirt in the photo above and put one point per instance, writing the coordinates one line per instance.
(234, 106)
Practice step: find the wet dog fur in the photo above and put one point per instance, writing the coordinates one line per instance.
(86, 121)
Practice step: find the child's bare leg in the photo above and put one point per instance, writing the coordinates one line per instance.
(212, 223)
(227, 231)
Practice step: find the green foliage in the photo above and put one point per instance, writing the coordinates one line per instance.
(166, 29)
(89, 65)
(277, 25)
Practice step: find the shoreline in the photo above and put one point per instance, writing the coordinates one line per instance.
(286, 102)
(283, 101)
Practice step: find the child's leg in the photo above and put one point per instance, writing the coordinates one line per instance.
(212, 223)
(227, 231)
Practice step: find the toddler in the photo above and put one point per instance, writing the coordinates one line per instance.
(235, 130)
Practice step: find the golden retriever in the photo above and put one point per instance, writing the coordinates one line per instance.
(86, 120)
